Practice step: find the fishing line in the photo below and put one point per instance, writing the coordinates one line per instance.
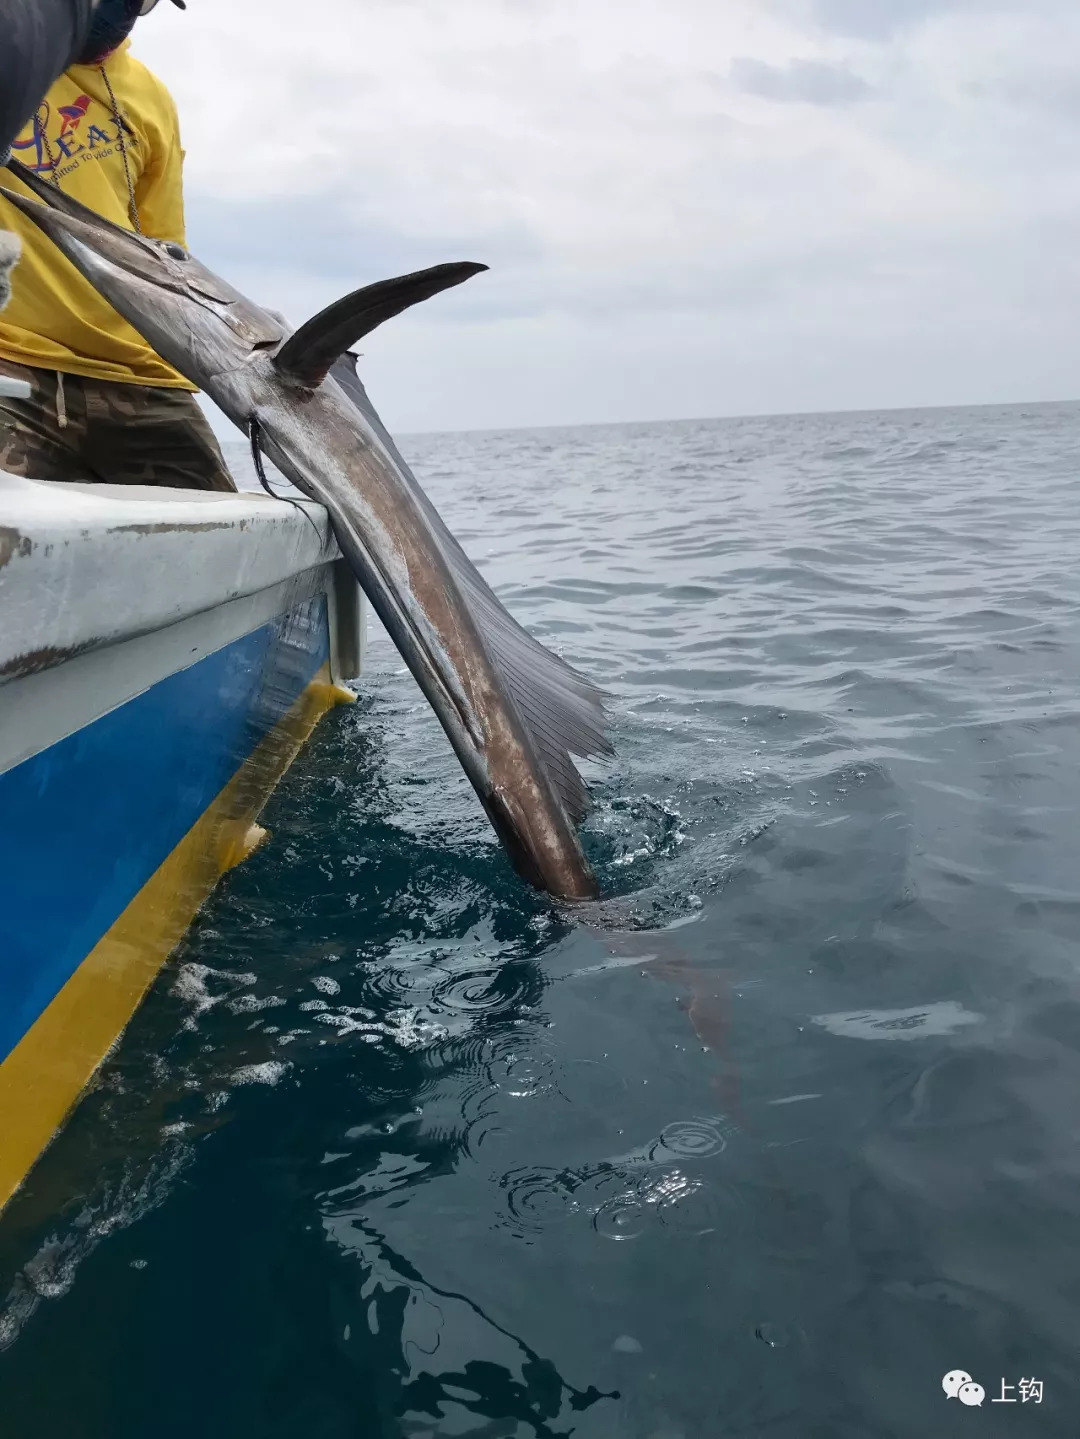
(254, 436)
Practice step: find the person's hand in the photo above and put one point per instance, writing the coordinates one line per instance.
(10, 250)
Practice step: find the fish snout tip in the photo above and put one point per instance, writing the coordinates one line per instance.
(21, 202)
(34, 211)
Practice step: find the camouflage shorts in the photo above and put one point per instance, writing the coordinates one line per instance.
(101, 431)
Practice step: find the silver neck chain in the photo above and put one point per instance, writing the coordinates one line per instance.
(41, 120)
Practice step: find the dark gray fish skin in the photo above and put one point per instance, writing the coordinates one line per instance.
(513, 711)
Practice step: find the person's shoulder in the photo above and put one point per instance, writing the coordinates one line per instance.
(141, 74)
(146, 91)
(139, 78)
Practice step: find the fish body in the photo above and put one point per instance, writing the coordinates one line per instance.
(513, 711)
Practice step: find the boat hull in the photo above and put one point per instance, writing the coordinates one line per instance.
(133, 768)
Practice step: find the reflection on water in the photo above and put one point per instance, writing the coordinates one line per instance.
(434, 1338)
(943, 1018)
(764, 1142)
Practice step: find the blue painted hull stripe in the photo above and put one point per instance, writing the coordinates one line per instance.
(85, 824)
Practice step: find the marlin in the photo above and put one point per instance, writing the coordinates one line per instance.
(513, 711)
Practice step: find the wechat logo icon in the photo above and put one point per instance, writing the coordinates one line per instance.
(959, 1385)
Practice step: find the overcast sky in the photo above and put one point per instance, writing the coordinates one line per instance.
(690, 207)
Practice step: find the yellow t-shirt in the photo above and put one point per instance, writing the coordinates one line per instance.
(56, 320)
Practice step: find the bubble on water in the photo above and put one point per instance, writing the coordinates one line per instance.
(636, 828)
(116, 1201)
(195, 983)
(627, 1344)
(51, 1272)
(346, 1024)
(269, 1072)
(252, 1004)
(409, 1029)
(325, 985)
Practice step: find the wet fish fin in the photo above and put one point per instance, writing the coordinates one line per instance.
(563, 710)
(307, 356)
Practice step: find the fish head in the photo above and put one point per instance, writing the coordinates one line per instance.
(194, 319)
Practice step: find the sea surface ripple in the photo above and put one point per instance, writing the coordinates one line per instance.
(763, 1143)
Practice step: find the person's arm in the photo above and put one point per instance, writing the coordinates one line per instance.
(9, 254)
(37, 41)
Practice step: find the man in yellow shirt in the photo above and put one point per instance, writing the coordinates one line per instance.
(103, 406)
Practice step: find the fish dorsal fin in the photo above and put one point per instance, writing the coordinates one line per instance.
(307, 356)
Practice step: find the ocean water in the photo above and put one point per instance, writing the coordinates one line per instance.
(770, 1139)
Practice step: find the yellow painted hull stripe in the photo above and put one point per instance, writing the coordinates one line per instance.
(47, 1071)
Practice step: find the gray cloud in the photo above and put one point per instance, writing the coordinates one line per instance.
(662, 243)
(879, 20)
(804, 82)
(876, 19)
(323, 234)
(1051, 91)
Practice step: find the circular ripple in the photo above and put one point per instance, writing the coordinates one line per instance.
(776, 1336)
(522, 1071)
(538, 1198)
(694, 1211)
(479, 1118)
(622, 1218)
(479, 991)
(690, 1139)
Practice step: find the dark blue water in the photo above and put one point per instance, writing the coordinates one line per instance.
(763, 1144)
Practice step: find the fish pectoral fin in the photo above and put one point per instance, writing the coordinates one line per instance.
(308, 355)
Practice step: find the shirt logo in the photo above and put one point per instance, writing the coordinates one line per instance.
(60, 143)
(73, 115)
